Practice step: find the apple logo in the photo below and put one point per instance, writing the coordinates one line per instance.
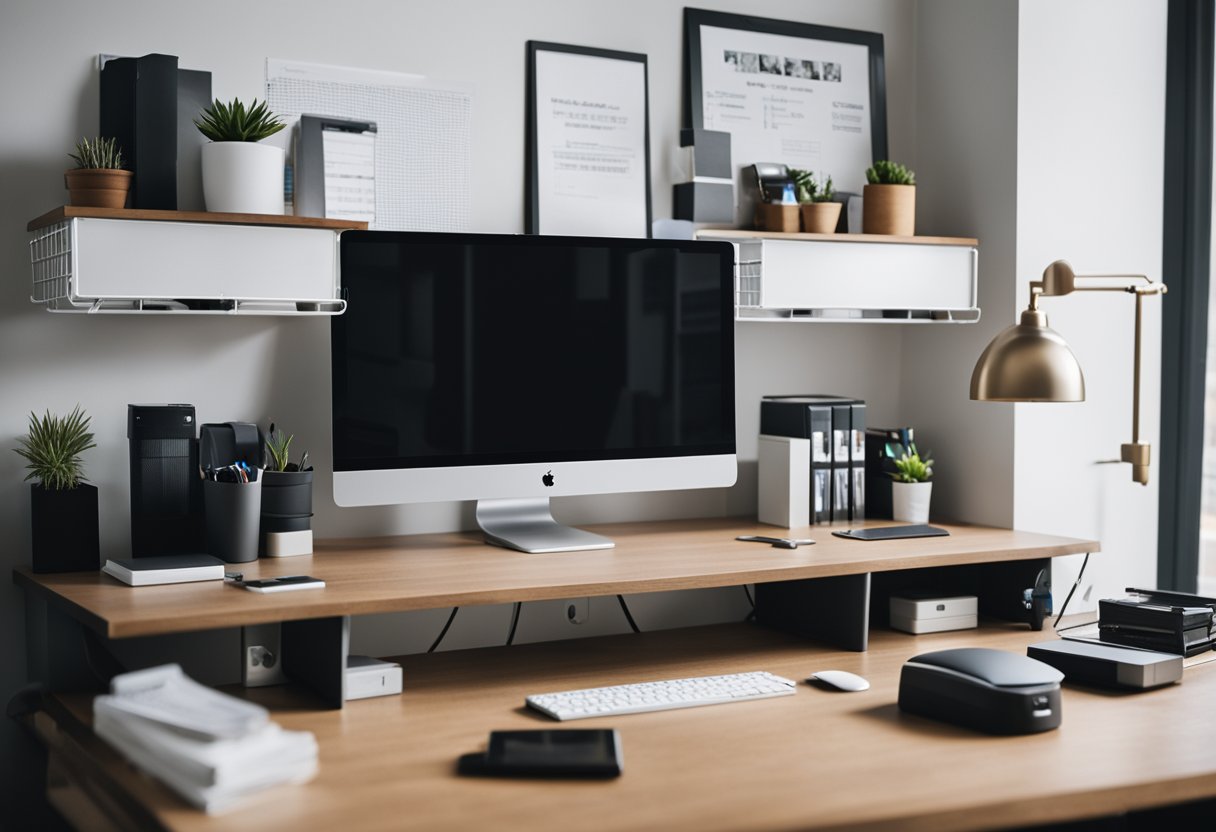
(547, 479)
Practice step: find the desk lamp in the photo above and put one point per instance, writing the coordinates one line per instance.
(1030, 362)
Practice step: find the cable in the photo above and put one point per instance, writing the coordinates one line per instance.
(1068, 597)
(633, 625)
(514, 622)
(444, 631)
(751, 614)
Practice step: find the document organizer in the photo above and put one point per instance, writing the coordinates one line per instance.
(223, 264)
(853, 277)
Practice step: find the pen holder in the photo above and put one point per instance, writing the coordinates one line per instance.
(233, 511)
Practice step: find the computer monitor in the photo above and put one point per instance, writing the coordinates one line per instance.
(509, 369)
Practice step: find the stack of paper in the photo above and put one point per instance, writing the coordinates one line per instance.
(209, 747)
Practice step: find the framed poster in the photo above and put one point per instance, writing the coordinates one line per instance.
(588, 143)
(811, 97)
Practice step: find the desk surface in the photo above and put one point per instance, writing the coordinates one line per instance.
(438, 570)
(816, 759)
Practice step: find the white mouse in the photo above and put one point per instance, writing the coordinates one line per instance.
(841, 680)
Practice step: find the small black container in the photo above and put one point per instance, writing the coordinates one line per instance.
(232, 511)
(286, 502)
(64, 526)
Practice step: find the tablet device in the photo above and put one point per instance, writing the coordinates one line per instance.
(893, 532)
(579, 752)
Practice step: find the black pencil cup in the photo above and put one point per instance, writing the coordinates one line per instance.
(233, 511)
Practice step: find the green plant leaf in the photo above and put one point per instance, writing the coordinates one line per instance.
(234, 122)
(53, 448)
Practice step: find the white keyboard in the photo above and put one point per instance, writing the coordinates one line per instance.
(660, 696)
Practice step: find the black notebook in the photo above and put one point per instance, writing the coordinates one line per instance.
(167, 569)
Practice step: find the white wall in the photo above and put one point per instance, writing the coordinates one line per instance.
(966, 165)
(1091, 109)
(262, 369)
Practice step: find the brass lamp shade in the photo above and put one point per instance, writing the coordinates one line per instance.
(1028, 362)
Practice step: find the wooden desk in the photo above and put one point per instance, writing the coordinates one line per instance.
(813, 760)
(821, 591)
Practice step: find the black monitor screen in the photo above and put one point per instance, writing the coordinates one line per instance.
(461, 349)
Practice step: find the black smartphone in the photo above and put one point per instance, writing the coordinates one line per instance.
(284, 584)
(579, 752)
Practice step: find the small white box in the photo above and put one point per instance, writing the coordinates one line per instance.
(367, 677)
(785, 481)
(922, 614)
(288, 544)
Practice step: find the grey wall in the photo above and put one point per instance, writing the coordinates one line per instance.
(262, 369)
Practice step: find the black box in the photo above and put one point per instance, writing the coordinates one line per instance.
(166, 498)
(139, 110)
(64, 529)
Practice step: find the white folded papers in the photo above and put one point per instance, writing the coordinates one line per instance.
(210, 748)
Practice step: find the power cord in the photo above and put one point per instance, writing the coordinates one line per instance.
(444, 631)
(1068, 597)
(514, 622)
(752, 614)
(633, 625)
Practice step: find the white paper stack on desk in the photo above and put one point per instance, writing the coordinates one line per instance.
(209, 747)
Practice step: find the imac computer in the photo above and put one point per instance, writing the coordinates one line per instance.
(509, 369)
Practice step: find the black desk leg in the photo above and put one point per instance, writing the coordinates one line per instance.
(63, 654)
(835, 610)
(314, 654)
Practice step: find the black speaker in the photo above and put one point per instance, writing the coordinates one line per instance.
(166, 498)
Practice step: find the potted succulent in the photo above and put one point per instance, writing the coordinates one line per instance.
(819, 213)
(286, 498)
(240, 175)
(889, 200)
(911, 490)
(98, 180)
(63, 508)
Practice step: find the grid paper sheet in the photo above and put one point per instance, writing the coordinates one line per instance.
(423, 136)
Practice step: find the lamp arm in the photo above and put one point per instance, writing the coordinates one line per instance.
(1139, 286)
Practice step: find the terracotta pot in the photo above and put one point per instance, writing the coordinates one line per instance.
(889, 209)
(97, 187)
(820, 217)
(773, 216)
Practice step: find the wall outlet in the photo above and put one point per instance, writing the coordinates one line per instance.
(578, 610)
(261, 664)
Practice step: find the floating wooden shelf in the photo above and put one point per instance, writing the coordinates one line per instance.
(67, 212)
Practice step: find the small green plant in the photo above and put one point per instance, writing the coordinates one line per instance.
(911, 468)
(53, 448)
(890, 173)
(235, 122)
(278, 449)
(98, 153)
(808, 190)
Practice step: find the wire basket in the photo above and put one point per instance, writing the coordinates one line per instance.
(748, 289)
(51, 263)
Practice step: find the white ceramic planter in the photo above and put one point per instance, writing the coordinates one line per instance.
(910, 501)
(243, 177)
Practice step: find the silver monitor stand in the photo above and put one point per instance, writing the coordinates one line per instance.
(528, 525)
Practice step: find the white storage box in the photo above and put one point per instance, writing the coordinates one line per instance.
(854, 277)
(367, 677)
(784, 493)
(920, 614)
(87, 264)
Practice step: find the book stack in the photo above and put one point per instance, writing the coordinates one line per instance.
(210, 748)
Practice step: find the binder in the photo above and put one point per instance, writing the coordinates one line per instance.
(842, 470)
(139, 110)
(857, 461)
(837, 466)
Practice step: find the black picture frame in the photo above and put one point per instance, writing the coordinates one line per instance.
(694, 19)
(532, 195)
